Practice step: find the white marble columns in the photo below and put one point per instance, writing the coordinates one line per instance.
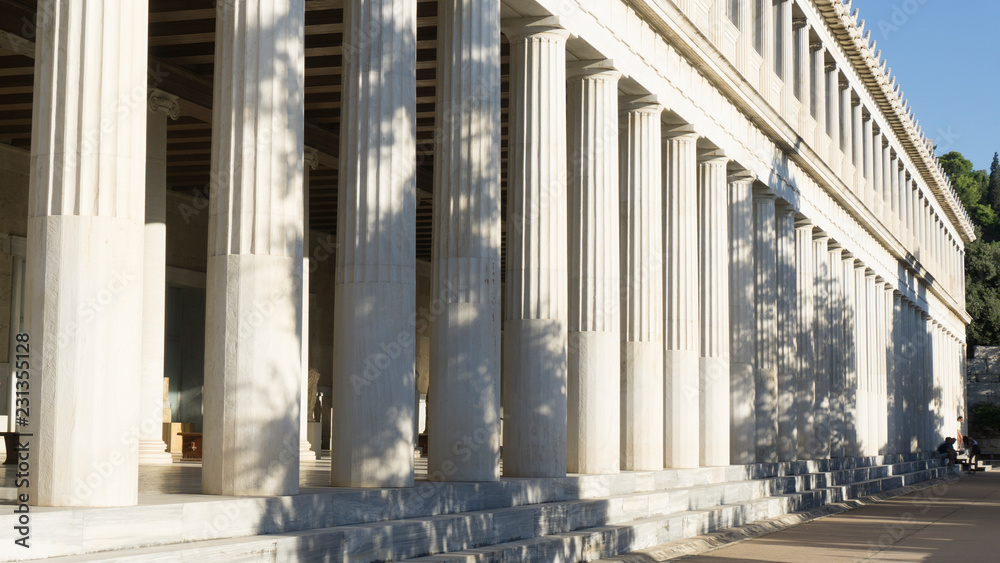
(680, 285)
(742, 328)
(152, 450)
(253, 296)
(464, 420)
(373, 351)
(536, 309)
(713, 298)
(805, 312)
(594, 346)
(836, 347)
(766, 316)
(640, 205)
(863, 369)
(310, 160)
(84, 256)
(821, 360)
(788, 333)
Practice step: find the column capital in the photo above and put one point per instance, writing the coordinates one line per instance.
(600, 68)
(763, 192)
(820, 234)
(869, 273)
(830, 67)
(859, 264)
(310, 157)
(803, 222)
(680, 133)
(815, 45)
(160, 101)
(742, 177)
(713, 156)
(834, 246)
(649, 103)
(799, 22)
(516, 28)
(783, 208)
(847, 255)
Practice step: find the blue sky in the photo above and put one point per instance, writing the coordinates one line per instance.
(945, 55)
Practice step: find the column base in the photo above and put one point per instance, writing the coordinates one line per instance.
(154, 452)
(306, 453)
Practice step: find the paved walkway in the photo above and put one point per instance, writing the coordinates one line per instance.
(953, 521)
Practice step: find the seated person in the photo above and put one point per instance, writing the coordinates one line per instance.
(946, 449)
(972, 450)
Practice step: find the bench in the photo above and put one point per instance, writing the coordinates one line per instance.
(191, 446)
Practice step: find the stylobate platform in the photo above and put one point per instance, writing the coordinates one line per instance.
(579, 517)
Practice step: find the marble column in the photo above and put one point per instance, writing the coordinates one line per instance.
(863, 363)
(536, 310)
(713, 299)
(877, 178)
(310, 160)
(805, 313)
(463, 423)
(85, 222)
(852, 345)
(784, 59)
(897, 395)
(904, 208)
(866, 156)
(838, 348)
(640, 205)
(593, 405)
(788, 331)
(876, 354)
(886, 408)
(803, 87)
(822, 142)
(681, 443)
(254, 290)
(823, 334)
(894, 195)
(846, 141)
(857, 149)
(375, 293)
(152, 449)
(766, 299)
(833, 114)
(887, 208)
(742, 327)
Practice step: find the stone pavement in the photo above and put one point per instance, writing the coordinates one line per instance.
(957, 520)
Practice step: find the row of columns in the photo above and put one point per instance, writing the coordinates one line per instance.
(701, 352)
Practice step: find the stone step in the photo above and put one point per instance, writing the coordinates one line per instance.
(604, 541)
(524, 525)
(176, 519)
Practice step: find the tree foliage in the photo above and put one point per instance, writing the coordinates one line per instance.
(994, 184)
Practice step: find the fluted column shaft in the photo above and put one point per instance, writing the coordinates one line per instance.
(848, 389)
(819, 97)
(742, 327)
(833, 114)
(823, 334)
(888, 208)
(904, 207)
(463, 425)
(867, 163)
(877, 178)
(536, 310)
(863, 364)
(766, 299)
(897, 394)
(152, 450)
(254, 290)
(805, 312)
(857, 149)
(894, 187)
(374, 340)
(876, 360)
(838, 348)
(84, 256)
(804, 85)
(787, 350)
(886, 394)
(310, 160)
(681, 335)
(713, 299)
(642, 288)
(594, 384)
(846, 133)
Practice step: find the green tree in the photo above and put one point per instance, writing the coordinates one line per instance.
(994, 184)
(982, 299)
(972, 188)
